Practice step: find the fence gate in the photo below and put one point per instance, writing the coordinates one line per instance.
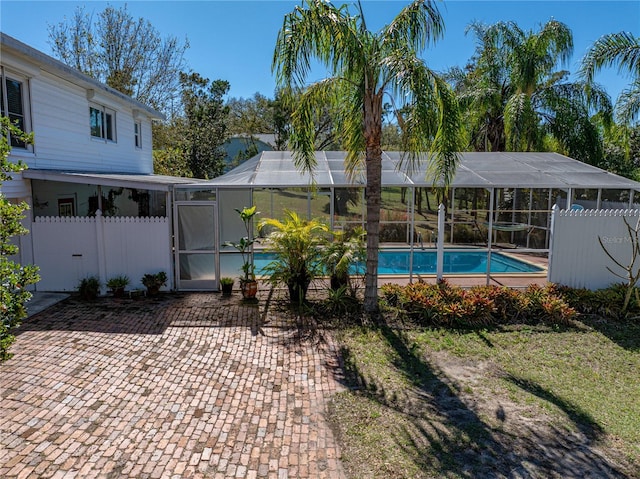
(196, 239)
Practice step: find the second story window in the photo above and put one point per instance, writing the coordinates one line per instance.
(137, 133)
(103, 122)
(13, 103)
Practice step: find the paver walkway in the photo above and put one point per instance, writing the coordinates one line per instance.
(182, 386)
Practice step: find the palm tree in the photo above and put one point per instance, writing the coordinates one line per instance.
(622, 49)
(516, 100)
(364, 66)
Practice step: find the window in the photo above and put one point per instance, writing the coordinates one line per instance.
(103, 122)
(137, 133)
(13, 99)
(66, 206)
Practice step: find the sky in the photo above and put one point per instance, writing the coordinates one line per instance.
(234, 40)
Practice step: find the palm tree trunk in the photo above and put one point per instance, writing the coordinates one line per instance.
(373, 162)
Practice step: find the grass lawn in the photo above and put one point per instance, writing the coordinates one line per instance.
(521, 401)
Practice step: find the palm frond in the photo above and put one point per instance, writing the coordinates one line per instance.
(307, 112)
(519, 118)
(628, 103)
(622, 49)
(555, 40)
(433, 124)
(315, 30)
(416, 26)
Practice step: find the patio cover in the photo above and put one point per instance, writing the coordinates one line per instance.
(276, 169)
(127, 180)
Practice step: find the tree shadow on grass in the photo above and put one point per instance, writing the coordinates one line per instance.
(624, 332)
(581, 419)
(441, 429)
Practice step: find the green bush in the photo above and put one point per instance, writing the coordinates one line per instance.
(14, 278)
(606, 302)
(89, 287)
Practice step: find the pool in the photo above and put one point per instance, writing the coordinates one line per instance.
(396, 262)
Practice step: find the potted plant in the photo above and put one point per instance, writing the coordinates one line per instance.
(154, 282)
(89, 287)
(248, 283)
(296, 243)
(117, 284)
(227, 286)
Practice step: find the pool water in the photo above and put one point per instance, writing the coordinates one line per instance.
(396, 262)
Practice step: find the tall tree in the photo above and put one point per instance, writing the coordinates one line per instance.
(15, 278)
(366, 65)
(204, 124)
(621, 49)
(250, 115)
(515, 99)
(127, 54)
(260, 114)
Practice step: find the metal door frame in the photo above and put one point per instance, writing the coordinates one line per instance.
(216, 249)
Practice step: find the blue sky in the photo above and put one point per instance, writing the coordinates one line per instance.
(234, 40)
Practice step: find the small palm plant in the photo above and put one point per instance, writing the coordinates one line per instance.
(117, 284)
(153, 282)
(296, 243)
(345, 251)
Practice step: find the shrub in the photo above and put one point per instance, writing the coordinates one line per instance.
(89, 287)
(117, 282)
(607, 302)
(153, 282)
(452, 306)
(14, 277)
(296, 244)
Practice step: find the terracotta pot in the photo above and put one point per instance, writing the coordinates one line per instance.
(249, 289)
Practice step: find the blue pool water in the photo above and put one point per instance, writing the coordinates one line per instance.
(396, 262)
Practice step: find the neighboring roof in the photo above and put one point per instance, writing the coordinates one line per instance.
(266, 138)
(476, 170)
(127, 180)
(71, 74)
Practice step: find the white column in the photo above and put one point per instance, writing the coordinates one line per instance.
(490, 234)
(554, 212)
(102, 262)
(440, 244)
(412, 231)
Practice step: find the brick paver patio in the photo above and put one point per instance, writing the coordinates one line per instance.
(186, 385)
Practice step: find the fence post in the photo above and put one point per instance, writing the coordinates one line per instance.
(554, 213)
(102, 263)
(440, 245)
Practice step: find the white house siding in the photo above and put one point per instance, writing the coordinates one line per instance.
(577, 258)
(60, 121)
(68, 249)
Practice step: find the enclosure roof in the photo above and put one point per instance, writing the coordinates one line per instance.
(127, 180)
(273, 169)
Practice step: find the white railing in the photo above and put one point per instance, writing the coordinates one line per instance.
(67, 249)
(576, 257)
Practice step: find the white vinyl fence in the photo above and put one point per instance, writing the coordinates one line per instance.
(67, 249)
(576, 257)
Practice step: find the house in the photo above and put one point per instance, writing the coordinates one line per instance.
(95, 206)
